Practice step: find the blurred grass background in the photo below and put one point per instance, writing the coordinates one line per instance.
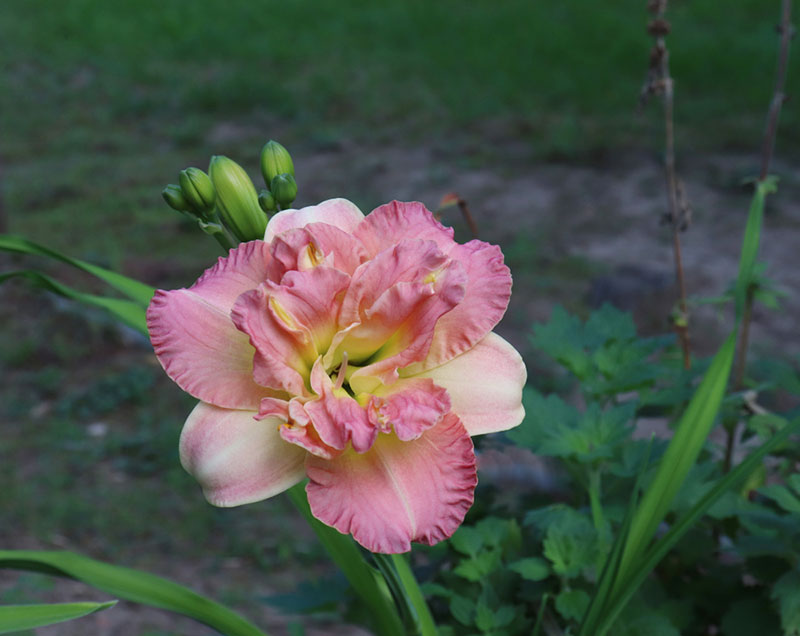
(102, 103)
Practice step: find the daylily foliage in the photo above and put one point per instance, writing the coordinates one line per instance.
(354, 350)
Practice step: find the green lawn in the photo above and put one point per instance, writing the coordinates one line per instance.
(83, 72)
(102, 103)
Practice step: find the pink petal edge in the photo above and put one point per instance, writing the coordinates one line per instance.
(393, 222)
(485, 302)
(397, 492)
(194, 338)
(202, 351)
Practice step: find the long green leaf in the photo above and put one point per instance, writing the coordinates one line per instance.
(679, 457)
(132, 585)
(133, 289)
(366, 582)
(14, 618)
(659, 550)
(126, 311)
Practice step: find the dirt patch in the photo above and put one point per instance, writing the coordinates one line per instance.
(601, 219)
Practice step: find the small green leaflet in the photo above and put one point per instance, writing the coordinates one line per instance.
(787, 593)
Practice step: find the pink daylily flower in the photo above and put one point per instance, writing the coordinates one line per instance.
(353, 350)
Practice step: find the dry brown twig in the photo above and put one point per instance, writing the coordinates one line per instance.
(452, 199)
(659, 83)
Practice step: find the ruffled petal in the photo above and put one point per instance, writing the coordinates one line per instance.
(403, 319)
(391, 223)
(193, 335)
(485, 385)
(245, 267)
(484, 304)
(409, 407)
(337, 418)
(312, 245)
(298, 429)
(236, 459)
(338, 212)
(283, 349)
(202, 351)
(311, 299)
(410, 261)
(397, 492)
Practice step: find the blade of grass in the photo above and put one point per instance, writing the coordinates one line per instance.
(126, 311)
(133, 289)
(14, 618)
(367, 583)
(132, 585)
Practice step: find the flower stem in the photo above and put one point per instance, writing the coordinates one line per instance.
(367, 583)
(426, 623)
(218, 232)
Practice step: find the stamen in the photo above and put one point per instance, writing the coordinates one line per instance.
(342, 372)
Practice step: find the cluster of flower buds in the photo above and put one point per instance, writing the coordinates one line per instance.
(225, 200)
(278, 171)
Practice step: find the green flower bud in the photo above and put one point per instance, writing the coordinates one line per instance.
(284, 189)
(275, 160)
(198, 190)
(267, 201)
(237, 200)
(173, 195)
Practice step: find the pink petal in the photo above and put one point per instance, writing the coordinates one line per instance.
(282, 350)
(312, 299)
(337, 417)
(338, 212)
(391, 308)
(244, 268)
(202, 351)
(194, 338)
(484, 385)
(397, 492)
(299, 430)
(485, 301)
(404, 318)
(407, 262)
(391, 223)
(236, 459)
(410, 407)
(312, 245)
